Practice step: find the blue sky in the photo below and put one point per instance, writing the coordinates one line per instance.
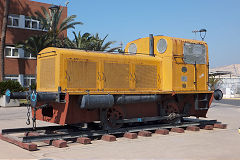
(127, 20)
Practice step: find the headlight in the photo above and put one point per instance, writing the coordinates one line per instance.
(162, 46)
(132, 49)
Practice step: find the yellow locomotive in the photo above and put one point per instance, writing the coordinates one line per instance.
(158, 79)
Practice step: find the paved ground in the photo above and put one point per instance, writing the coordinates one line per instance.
(230, 101)
(217, 144)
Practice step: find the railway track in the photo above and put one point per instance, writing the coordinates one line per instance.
(59, 135)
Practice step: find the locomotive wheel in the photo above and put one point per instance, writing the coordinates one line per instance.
(109, 118)
(171, 107)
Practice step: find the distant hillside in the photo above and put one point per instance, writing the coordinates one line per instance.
(233, 68)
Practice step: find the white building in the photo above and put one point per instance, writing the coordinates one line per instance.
(229, 80)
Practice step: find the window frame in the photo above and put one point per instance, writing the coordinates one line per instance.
(22, 22)
(30, 57)
(27, 19)
(12, 17)
(12, 48)
(30, 78)
(186, 57)
(31, 21)
(11, 77)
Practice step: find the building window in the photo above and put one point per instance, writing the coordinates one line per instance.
(13, 20)
(35, 24)
(27, 23)
(32, 24)
(11, 52)
(29, 55)
(29, 80)
(11, 77)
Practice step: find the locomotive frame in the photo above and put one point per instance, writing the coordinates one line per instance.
(159, 79)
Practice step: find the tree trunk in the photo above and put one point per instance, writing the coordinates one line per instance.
(3, 38)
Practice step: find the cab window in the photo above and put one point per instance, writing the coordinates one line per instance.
(194, 53)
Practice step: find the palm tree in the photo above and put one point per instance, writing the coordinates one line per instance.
(82, 41)
(214, 82)
(64, 42)
(3, 38)
(54, 37)
(90, 42)
(97, 44)
(34, 44)
(51, 21)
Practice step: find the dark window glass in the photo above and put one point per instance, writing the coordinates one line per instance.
(33, 81)
(15, 52)
(194, 53)
(15, 22)
(33, 55)
(34, 24)
(26, 82)
(7, 51)
(27, 23)
(40, 25)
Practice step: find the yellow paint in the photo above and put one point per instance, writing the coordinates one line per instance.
(82, 72)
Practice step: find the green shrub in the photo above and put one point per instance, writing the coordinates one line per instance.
(13, 86)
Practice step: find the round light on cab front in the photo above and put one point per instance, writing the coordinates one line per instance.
(161, 45)
(132, 49)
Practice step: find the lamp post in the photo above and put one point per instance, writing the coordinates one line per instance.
(204, 31)
(53, 9)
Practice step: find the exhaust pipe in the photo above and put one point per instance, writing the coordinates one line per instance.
(151, 45)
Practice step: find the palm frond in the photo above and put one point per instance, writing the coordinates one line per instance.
(68, 26)
(68, 20)
(107, 45)
(50, 19)
(114, 49)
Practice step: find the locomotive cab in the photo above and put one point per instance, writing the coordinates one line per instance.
(184, 62)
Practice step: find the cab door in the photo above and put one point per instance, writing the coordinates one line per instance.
(183, 75)
(195, 55)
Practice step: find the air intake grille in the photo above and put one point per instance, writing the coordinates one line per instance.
(81, 74)
(47, 73)
(146, 76)
(116, 75)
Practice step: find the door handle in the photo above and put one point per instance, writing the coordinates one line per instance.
(103, 77)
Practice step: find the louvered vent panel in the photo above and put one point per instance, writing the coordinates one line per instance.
(146, 76)
(81, 74)
(47, 73)
(116, 75)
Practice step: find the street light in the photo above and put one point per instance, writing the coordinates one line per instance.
(204, 31)
(54, 8)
